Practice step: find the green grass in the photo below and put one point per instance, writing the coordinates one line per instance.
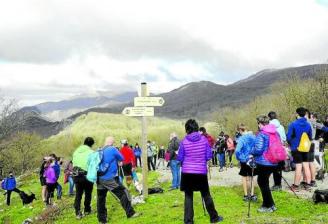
(168, 208)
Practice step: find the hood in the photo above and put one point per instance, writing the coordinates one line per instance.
(270, 128)
(125, 148)
(275, 122)
(194, 137)
(302, 121)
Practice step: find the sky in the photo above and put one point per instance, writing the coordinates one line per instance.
(52, 50)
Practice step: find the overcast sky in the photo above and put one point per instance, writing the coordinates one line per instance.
(55, 49)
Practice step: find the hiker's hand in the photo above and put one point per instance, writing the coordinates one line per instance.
(120, 163)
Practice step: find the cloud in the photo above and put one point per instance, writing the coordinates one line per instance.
(83, 46)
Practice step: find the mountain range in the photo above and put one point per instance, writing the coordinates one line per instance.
(196, 99)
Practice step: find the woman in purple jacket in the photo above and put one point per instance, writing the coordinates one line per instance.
(194, 152)
(51, 180)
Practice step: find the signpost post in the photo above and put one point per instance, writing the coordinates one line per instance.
(144, 107)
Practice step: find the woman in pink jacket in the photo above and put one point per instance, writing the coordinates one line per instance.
(230, 148)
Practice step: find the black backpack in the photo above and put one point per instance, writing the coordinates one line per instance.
(320, 196)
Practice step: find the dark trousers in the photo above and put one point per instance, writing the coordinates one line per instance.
(119, 192)
(230, 154)
(189, 206)
(264, 173)
(214, 159)
(277, 173)
(9, 194)
(82, 186)
(50, 192)
(155, 160)
(150, 163)
(138, 159)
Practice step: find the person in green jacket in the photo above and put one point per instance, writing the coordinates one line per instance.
(82, 185)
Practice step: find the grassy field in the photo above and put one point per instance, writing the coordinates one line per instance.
(168, 208)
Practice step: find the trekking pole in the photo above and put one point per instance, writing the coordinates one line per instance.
(252, 164)
(203, 203)
(290, 187)
(209, 170)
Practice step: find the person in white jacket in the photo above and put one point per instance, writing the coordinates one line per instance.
(277, 174)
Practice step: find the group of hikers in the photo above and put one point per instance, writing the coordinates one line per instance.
(258, 154)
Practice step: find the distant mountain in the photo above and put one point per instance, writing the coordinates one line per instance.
(196, 99)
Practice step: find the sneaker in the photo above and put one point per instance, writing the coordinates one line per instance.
(221, 170)
(172, 188)
(295, 188)
(79, 216)
(274, 208)
(265, 210)
(135, 215)
(307, 187)
(302, 184)
(253, 198)
(276, 188)
(246, 198)
(231, 165)
(219, 219)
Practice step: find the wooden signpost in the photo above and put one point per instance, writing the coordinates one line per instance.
(144, 107)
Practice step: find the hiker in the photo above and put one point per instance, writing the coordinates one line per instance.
(211, 142)
(109, 182)
(57, 171)
(82, 185)
(221, 148)
(174, 163)
(155, 150)
(137, 153)
(194, 153)
(128, 161)
(230, 148)
(9, 185)
(264, 167)
(246, 142)
(298, 130)
(277, 174)
(51, 179)
(43, 180)
(150, 156)
(161, 157)
(69, 177)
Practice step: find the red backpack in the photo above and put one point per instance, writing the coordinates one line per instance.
(276, 151)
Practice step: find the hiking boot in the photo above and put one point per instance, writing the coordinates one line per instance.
(295, 188)
(302, 184)
(313, 183)
(221, 170)
(307, 187)
(276, 188)
(274, 208)
(253, 198)
(246, 198)
(219, 219)
(231, 165)
(265, 210)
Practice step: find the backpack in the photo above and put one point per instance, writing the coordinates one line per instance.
(102, 170)
(276, 151)
(4, 184)
(320, 196)
(305, 143)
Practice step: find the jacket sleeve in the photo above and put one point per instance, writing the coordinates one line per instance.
(239, 147)
(181, 153)
(324, 128)
(209, 153)
(119, 156)
(259, 146)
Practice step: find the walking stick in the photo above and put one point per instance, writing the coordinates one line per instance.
(252, 164)
(203, 203)
(290, 187)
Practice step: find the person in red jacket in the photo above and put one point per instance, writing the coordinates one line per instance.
(211, 141)
(128, 162)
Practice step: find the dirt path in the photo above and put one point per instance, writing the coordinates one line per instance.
(230, 177)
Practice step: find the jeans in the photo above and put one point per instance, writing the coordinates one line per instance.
(175, 169)
(71, 185)
(221, 158)
(189, 206)
(264, 173)
(138, 158)
(82, 186)
(59, 190)
(119, 191)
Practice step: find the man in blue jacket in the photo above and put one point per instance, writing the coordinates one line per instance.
(10, 186)
(301, 159)
(109, 182)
